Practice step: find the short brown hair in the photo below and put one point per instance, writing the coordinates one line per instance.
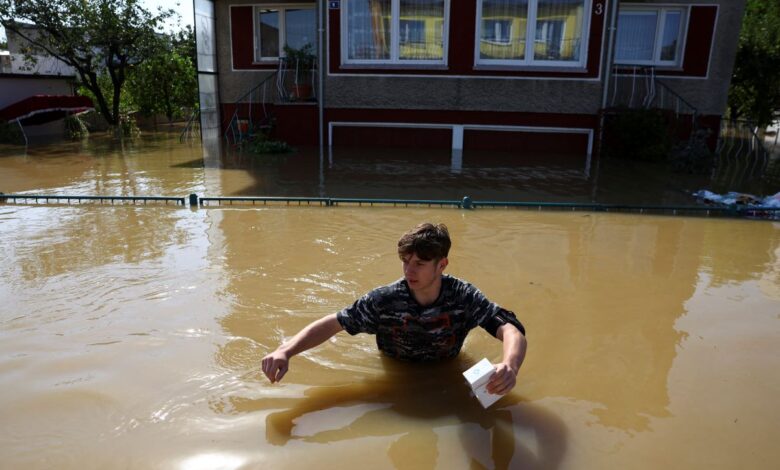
(427, 241)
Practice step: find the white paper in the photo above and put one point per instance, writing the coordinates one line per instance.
(477, 378)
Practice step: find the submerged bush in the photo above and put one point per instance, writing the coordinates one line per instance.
(75, 128)
(10, 133)
(270, 147)
(637, 134)
(127, 126)
(693, 156)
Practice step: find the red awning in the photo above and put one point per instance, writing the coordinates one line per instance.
(40, 109)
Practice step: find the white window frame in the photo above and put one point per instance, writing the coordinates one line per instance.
(395, 39)
(661, 11)
(282, 9)
(530, 41)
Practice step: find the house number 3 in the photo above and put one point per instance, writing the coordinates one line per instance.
(599, 8)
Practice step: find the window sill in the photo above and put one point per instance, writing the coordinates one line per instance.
(578, 70)
(623, 68)
(395, 67)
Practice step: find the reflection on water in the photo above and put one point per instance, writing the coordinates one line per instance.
(131, 337)
(432, 395)
(355, 172)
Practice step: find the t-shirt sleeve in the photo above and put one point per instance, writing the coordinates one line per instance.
(487, 314)
(360, 317)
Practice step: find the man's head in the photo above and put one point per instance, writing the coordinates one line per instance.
(427, 241)
(423, 252)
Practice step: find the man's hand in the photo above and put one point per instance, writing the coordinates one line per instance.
(275, 365)
(503, 380)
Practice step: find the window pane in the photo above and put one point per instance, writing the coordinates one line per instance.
(269, 33)
(368, 29)
(671, 36)
(559, 30)
(636, 36)
(502, 32)
(420, 30)
(300, 27)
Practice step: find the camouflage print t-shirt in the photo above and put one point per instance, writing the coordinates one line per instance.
(406, 330)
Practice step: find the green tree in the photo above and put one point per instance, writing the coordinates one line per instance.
(95, 37)
(755, 86)
(166, 82)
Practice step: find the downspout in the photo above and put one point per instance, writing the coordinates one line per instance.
(608, 71)
(320, 71)
(614, 5)
(610, 53)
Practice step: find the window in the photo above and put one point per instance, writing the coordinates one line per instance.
(650, 36)
(559, 29)
(277, 26)
(395, 31)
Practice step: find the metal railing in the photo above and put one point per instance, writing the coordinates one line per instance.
(635, 87)
(250, 113)
(112, 200)
(296, 83)
(465, 203)
(742, 153)
(189, 129)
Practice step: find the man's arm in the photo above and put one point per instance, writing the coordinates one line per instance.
(515, 345)
(276, 364)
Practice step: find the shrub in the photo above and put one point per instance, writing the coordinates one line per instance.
(263, 146)
(10, 133)
(637, 134)
(75, 128)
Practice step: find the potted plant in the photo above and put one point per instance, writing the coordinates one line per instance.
(302, 61)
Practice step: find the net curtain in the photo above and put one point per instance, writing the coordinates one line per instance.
(420, 35)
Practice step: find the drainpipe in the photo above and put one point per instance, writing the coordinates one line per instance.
(608, 71)
(320, 71)
(610, 52)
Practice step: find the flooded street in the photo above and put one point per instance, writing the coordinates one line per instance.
(131, 336)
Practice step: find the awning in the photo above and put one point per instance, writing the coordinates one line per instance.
(40, 109)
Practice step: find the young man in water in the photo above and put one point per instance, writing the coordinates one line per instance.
(424, 316)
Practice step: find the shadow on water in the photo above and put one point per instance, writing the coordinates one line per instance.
(482, 175)
(412, 401)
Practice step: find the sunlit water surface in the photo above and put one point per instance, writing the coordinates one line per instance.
(131, 337)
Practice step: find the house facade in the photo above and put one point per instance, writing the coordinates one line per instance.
(518, 75)
(20, 79)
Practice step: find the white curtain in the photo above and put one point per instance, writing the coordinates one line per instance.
(559, 30)
(421, 30)
(636, 36)
(503, 29)
(368, 29)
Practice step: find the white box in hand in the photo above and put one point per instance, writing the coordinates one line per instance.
(478, 377)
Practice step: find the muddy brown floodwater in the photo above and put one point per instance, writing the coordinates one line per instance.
(131, 336)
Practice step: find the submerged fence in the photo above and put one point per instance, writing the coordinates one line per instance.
(195, 202)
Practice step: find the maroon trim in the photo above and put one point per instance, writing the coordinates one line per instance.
(531, 142)
(701, 28)
(583, 121)
(404, 137)
(461, 49)
(294, 123)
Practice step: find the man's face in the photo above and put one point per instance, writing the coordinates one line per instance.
(421, 274)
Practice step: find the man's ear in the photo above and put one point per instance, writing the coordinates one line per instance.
(443, 263)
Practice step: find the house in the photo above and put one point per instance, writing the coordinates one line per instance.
(526, 76)
(21, 80)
